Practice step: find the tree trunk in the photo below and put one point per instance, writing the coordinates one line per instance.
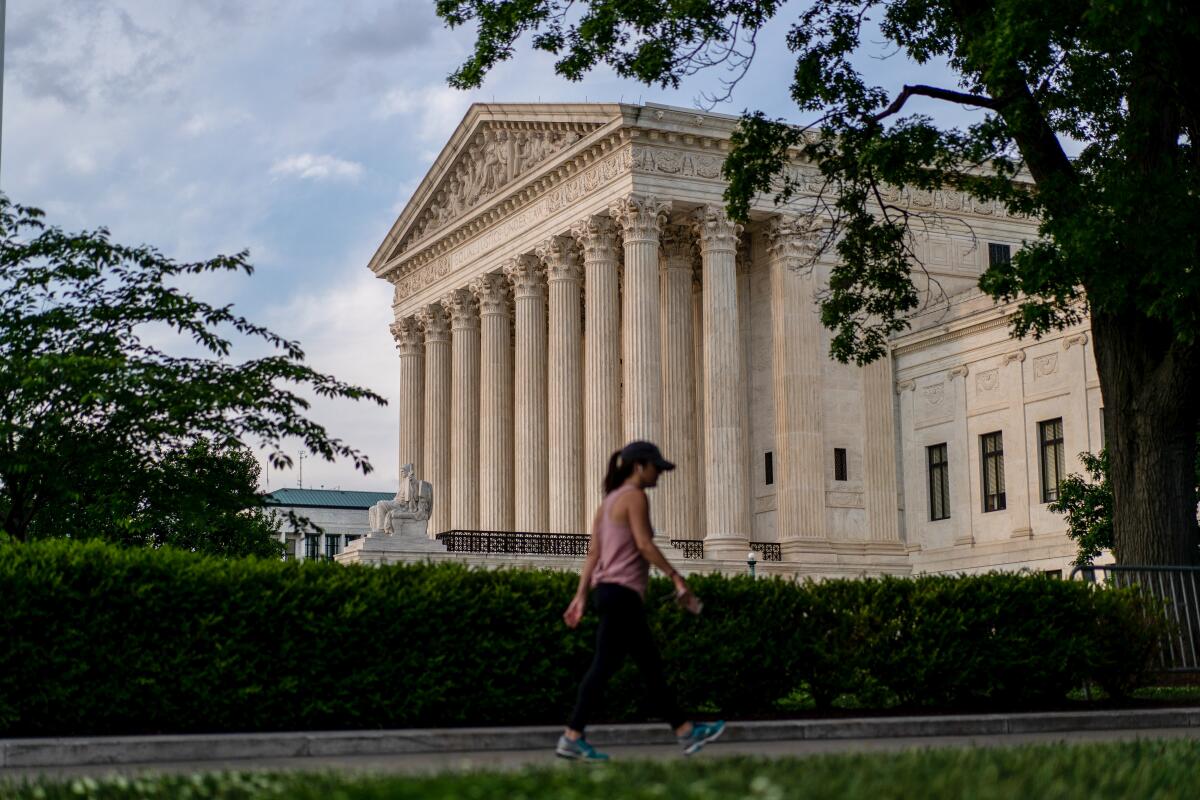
(1151, 389)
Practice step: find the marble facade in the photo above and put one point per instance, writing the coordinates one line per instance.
(565, 279)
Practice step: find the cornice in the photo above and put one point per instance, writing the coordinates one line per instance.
(952, 335)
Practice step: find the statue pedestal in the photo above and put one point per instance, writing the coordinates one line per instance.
(382, 548)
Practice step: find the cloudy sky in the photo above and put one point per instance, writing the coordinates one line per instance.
(296, 129)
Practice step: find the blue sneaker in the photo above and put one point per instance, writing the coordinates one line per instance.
(578, 750)
(702, 733)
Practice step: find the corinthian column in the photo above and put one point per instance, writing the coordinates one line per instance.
(727, 506)
(642, 219)
(407, 333)
(563, 274)
(529, 378)
(602, 353)
(437, 414)
(679, 519)
(464, 400)
(495, 404)
(796, 343)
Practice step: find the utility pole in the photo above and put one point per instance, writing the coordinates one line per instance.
(301, 469)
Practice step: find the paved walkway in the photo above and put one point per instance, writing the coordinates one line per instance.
(423, 763)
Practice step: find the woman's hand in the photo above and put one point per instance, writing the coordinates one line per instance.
(575, 610)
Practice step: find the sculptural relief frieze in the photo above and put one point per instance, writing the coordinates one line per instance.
(552, 201)
(493, 159)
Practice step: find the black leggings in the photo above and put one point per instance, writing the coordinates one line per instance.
(623, 630)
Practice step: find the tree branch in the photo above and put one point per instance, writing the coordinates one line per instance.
(938, 94)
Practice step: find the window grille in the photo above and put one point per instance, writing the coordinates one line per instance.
(939, 482)
(992, 446)
(999, 254)
(1050, 439)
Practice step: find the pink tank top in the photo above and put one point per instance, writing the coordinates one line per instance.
(619, 562)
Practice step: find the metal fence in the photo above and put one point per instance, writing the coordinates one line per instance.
(770, 551)
(1179, 590)
(571, 545)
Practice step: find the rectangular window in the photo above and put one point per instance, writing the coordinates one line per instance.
(333, 545)
(939, 482)
(839, 464)
(1101, 427)
(769, 468)
(998, 254)
(1050, 442)
(312, 544)
(992, 451)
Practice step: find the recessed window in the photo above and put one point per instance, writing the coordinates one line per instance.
(839, 464)
(1102, 427)
(999, 254)
(1050, 443)
(992, 456)
(312, 546)
(333, 545)
(939, 482)
(769, 467)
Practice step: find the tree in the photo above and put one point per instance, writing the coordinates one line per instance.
(1119, 226)
(1086, 502)
(103, 432)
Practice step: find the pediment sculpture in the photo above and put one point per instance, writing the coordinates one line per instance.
(407, 514)
(495, 157)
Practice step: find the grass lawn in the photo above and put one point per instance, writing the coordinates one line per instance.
(1148, 769)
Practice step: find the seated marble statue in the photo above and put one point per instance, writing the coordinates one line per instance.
(414, 501)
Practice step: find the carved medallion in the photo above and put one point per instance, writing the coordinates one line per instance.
(935, 394)
(987, 381)
(1044, 366)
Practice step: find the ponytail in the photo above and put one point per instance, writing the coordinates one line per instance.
(618, 472)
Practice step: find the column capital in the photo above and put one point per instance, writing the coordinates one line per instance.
(641, 217)
(678, 248)
(435, 323)
(715, 230)
(790, 240)
(407, 333)
(597, 236)
(491, 292)
(527, 276)
(462, 308)
(561, 258)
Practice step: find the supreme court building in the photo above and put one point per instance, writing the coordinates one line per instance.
(565, 280)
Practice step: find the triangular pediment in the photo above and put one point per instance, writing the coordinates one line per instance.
(493, 149)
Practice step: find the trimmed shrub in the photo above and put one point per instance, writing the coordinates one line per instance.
(96, 639)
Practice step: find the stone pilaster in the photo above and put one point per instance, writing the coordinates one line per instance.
(796, 347)
(960, 459)
(495, 403)
(1017, 496)
(408, 336)
(879, 452)
(677, 517)
(437, 414)
(564, 274)
(530, 465)
(727, 496)
(464, 399)
(641, 220)
(597, 238)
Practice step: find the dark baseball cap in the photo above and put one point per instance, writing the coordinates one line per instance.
(646, 453)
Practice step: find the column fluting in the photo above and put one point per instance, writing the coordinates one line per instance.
(531, 441)
(464, 391)
(727, 492)
(564, 274)
(698, 372)
(678, 518)
(437, 414)
(879, 456)
(603, 434)
(796, 341)
(408, 336)
(641, 220)
(495, 403)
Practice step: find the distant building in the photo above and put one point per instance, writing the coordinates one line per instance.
(342, 516)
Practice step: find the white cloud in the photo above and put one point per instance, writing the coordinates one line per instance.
(318, 168)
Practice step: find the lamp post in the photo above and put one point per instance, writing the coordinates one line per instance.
(751, 561)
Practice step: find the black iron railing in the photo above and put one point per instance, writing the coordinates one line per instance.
(1179, 590)
(515, 543)
(770, 551)
(691, 548)
(572, 545)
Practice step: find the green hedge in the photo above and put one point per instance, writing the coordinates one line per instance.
(96, 639)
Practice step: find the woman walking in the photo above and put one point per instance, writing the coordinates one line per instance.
(617, 568)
